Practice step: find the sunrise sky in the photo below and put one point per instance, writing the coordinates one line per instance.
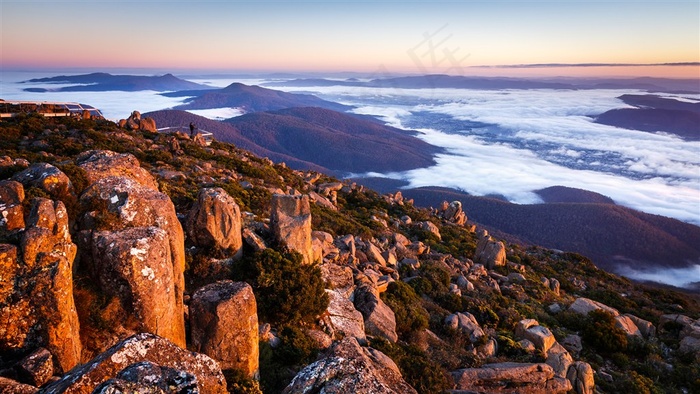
(382, 37)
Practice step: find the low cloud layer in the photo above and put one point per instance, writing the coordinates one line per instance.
(541, 138)
(679, 277)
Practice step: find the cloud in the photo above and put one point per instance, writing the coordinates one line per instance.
(541, 138)
(679, 277)
(218, 113)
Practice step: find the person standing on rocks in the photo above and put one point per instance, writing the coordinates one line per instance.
(192, 129)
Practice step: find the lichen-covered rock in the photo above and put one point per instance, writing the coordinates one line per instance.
(142, 347)
(511, 378)
(9, 386)
(290, 222)
(49, 179)
(580, 375)
(338, 277)
(467, 324)
(343, 319)
(147, 377)
(37, 308)
(11, 210)
(215, 221)
(118, 203)
(646, 328)
(224, 325)
(559, 359)
(135, 265)
(627, 325)
(490, 253)
(541, 336)
(349, 368)
(100, 164)
(253, 240)
(380, 320)
(583, 306)
(36, 368)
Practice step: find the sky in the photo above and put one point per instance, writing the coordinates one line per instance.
(378, 37)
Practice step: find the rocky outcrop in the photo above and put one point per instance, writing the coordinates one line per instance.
(36, 368)
(215, 221)
(511, 378)
(465, 323)
(290, 222)
(540, 336)
(343, 319)
(224, 325)
(36, 298)
(379, 319)
(135, 266)
(146, 377)
(49, 179)
(349, 368)
(99, 164)
(137, 349)
(9, 386)
(490, 253)
(583, 306)
(11, 210)
(119, 203)
(581, 377)
(136, 122)
(453, 212)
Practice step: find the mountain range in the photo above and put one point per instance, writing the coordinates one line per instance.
(102, 82)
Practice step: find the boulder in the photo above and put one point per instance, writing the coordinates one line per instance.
(454, 213)
(338, 277)
(490, 253)
(374, 254)
(348, 368)
(572, 343)
(580, 375)
(540, 336)
(136, 349)
(135, 266)
(559, 359)
(646, 328)
(378, 317)
(690, 345)
(555, 286)
(290, 222)
(38, 307)
(627, 325)
(11, 210)
(583, 306)
(430, 227)
(118, 203)
(49, 179)
(36, 368)
(465, 323)
(215, 221)
(146, 377)
(510, 378)
(100, 164)
(343, 319)
(224, 325)
(253, 240)
(9, 386)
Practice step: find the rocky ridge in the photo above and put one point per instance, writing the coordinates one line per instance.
(100, 278)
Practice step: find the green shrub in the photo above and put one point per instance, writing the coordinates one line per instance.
(406, 304)
(601, 333)
(287, 292)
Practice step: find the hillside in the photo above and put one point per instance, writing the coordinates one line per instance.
(654, 114)
(122, 248)
(315, 138)
(103, 82)
(250, 99)
(608, 234)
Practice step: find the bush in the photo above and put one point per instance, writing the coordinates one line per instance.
(601, 333)
(406, 304)
(287, 292)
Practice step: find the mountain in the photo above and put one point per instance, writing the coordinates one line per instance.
(608, 234)
(654, 113)
(564, 194)
(251, 99)
(492, 83)
(315, 138)
(102, 82)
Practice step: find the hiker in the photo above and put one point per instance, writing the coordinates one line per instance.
(192, 128)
